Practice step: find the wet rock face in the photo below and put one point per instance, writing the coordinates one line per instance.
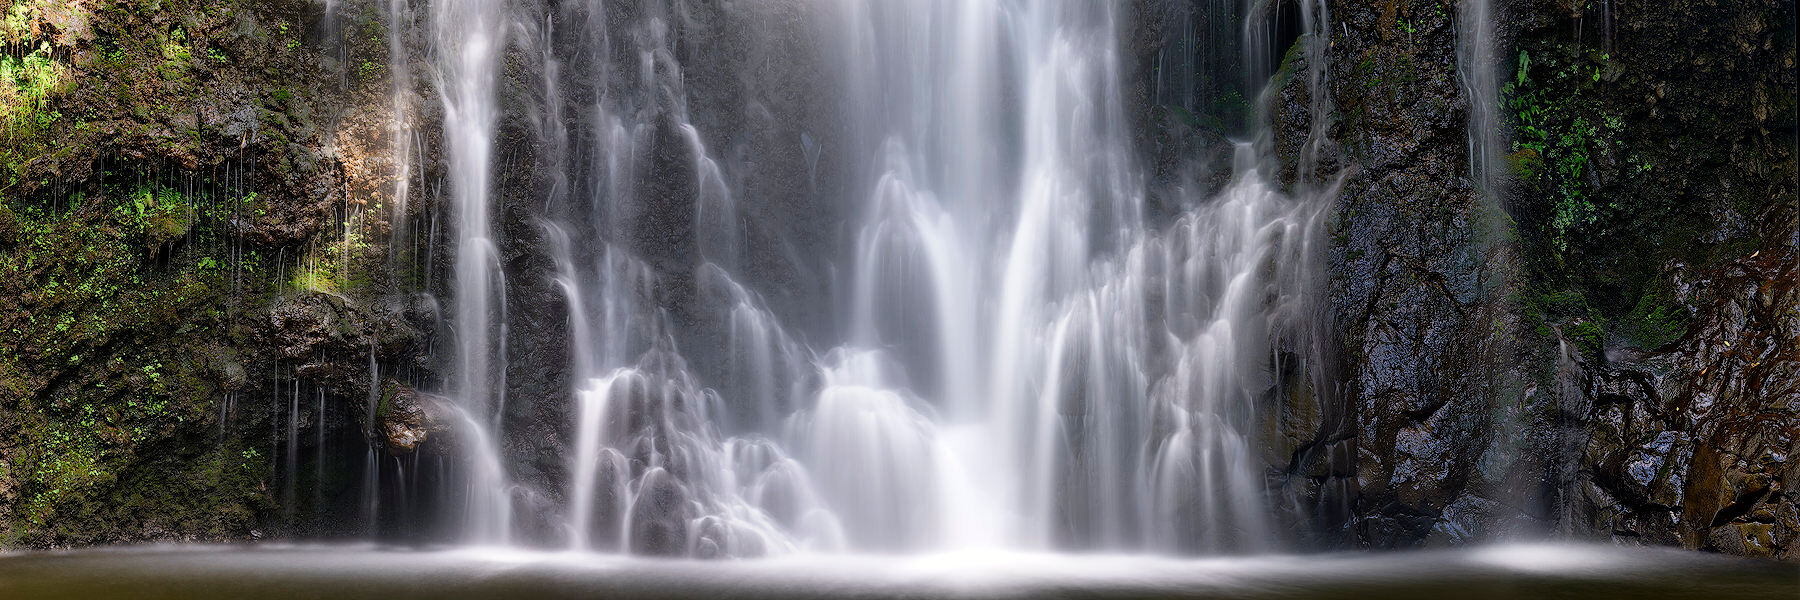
(1687, 423)
(1413, 277)
(1692, 444)
(327, 338)
(406, 417)
(1474, 413)
(659, 518)
(193, 185)
(1186, 100)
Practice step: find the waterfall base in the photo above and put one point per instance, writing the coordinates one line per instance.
(350, 573)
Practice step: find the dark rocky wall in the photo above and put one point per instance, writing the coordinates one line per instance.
(1530, 363)
(1419, 269)
(1665, 264)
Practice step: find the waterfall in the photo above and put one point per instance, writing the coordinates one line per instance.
(1477, 70)
(998, 346)
(470, 37)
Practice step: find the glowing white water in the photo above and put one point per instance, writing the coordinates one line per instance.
(469, 37)
(1024, 362)
(658, 478)
(1099, 418)
(1477, 68)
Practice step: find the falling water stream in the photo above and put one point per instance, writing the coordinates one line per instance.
(470, 39)
(1022, 359)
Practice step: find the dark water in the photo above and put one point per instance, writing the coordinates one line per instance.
(347, 573)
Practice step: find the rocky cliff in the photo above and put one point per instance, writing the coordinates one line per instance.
(1599, 345)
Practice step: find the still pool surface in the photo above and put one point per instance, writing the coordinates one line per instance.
(356, 572)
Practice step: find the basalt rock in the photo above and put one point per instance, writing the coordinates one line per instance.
(1676, 299)
(1477, 410)
(1416, 282)
(1693, 442)
(406, 417)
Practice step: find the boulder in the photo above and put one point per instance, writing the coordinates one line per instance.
(407, 417)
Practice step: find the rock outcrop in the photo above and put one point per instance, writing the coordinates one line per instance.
(1600, 349)
(1691, 443)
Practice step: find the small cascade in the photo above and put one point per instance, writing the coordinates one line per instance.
(601, 472)
(626, 319)
(399, 16)
(763, 363)
(1570, 399)
(318, 480)
(371, 484)
(1557, 455)
(716, 216)
(581, 337)
(291, 458)
(654, 476)
(875, 455)
(1478, 69)
(1229, 267)
(912, 268)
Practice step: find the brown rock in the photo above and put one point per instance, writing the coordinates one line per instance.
(407, 417)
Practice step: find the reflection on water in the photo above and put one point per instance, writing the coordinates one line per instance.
(348, 573)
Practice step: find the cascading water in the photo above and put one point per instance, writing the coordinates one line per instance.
(1477, 69)
(1019, 357)
(470, 38)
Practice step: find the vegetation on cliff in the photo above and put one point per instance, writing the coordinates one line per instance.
(166, 179)
(1653, 170)
(1645, 138)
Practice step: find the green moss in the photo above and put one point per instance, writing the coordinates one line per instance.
(1656, 320)
(106, 318)
(28, 85)
(1588, 336)
(387, 401)
(1559, 127)
(119, 284)
(1568, 312)
(18, 21)
(8, 225)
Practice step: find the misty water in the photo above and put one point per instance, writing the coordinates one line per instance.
(282, 573)
(1021, 357)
